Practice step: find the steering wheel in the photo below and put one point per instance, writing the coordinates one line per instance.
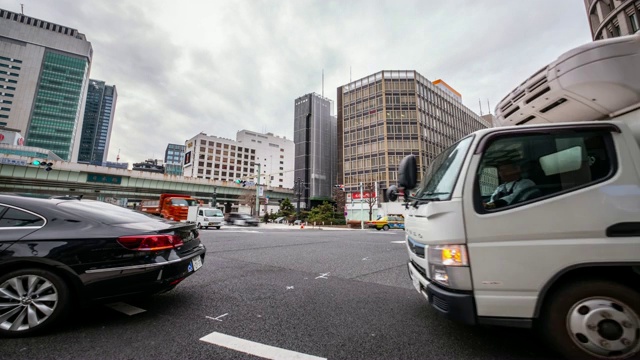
(527, 194)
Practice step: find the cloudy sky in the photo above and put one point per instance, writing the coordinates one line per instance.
(214, 66)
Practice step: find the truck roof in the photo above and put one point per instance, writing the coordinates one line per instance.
(595, 81)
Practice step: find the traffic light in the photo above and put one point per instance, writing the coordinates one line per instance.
(239, 181)
(48, 166)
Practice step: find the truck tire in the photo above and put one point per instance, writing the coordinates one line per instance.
(218, 227)
(34, 300)
(199, 226)
(596, 319)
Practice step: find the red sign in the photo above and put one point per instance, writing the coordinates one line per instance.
(365, 194)
(1, 137)
(21, 141)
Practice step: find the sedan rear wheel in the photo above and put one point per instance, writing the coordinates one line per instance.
(385, 228)
(31, 300)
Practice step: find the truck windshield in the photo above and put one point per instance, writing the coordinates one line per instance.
(213, 213)
(441, 176)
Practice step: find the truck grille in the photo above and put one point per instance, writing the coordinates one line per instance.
(440, 303)
(416, 248)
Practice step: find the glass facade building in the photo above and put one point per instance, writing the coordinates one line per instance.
(391, 114)
(44, 73)
(98, 123)
(173, 157)
(314, 137)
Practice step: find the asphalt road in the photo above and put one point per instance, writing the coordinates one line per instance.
(281, 292)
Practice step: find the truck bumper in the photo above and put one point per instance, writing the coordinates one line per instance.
(457, 306)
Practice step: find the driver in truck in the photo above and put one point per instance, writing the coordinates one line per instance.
(513, 184)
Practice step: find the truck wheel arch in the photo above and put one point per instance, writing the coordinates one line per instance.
(626, 273)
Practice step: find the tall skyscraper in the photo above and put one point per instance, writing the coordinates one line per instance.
(44, 72)
(173, 157)
(388, 115)
(275, 156)
(98, 123)
(612, 18)
(314, 135)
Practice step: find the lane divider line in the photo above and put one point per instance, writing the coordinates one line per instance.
(254, 348)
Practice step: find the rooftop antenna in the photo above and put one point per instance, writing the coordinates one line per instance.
(480, 103)
(22, 8)
(488, 106)
(322, 82)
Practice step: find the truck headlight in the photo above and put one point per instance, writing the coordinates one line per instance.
(449, 266)
(206, 219)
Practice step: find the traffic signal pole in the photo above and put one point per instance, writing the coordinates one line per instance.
(258, 194)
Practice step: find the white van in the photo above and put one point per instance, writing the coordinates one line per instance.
(209, 217)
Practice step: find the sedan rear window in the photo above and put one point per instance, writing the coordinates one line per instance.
(17, 218)
(104, 213)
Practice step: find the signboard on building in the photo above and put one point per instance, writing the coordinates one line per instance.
(187, 158)
(105, 179)
(365, 195)
(11, 138)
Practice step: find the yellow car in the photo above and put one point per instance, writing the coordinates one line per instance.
(387, 222)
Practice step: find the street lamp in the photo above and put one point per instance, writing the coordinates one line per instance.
(215, 197)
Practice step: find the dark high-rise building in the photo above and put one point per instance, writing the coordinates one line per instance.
(173, 157)
(44, 73)
(98, 123)
(314, 136)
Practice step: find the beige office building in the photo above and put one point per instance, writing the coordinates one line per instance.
(612, 18)
(215, 158)
(388, 115)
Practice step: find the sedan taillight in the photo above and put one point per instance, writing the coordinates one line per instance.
(150, 242)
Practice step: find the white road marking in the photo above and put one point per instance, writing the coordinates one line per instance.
(242, 231)
(323, 276)
(289, 287)
(254, 348)
(398, 242)
(125, 308)
(365, 259)
(217, 318)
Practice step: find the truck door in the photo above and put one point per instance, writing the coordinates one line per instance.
(537, 201)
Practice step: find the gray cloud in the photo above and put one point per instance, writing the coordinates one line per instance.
(219, 66)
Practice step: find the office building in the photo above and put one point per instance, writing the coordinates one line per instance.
(314, 135)
(274, 154)
(215, 158)
(612, 18)
(173, 157)
(391, 114)
(99, 110)
(44, 72)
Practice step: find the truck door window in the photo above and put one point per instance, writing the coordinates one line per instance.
(521, 169)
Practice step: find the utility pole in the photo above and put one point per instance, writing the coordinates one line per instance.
(361, 208)
(258, 194)
(299, 192)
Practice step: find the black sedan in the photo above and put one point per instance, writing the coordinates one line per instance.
(55, 251)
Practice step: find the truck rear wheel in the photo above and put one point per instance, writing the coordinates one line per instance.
(593, 320)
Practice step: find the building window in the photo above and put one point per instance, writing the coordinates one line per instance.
(634, 22)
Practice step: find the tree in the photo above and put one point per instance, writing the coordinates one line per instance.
(340, 198)
(372, 200)
(249, 199)
(321, 213)
(286, 208)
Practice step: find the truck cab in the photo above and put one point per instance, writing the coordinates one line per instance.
(539, 225)
(209, 217)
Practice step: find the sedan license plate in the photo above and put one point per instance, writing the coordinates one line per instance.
(196, 263)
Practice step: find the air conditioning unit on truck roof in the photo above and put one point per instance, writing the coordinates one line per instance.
(596, 81)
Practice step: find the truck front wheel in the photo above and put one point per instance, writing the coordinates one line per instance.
(593, 320)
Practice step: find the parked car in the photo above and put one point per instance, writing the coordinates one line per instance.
(241, 219)
(58, 251)
(387, 222)
(280, 220)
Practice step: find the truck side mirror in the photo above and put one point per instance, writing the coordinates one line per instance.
(407, 172)
(392, 193)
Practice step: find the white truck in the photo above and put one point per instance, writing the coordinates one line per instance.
(205, 217)
(539, 225)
